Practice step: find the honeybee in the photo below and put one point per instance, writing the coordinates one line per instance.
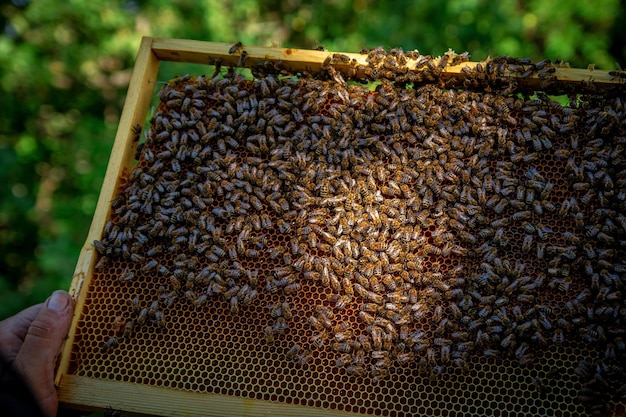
(269, 334)
(343, 301)
(235, 48)
(302, 358)
(110, 344)
(293, 351)
(521, 215)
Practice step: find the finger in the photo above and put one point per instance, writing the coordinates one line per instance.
(35, 360)
(13, 331)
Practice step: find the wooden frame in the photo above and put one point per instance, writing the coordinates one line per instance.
(198, 52)
(91, 394)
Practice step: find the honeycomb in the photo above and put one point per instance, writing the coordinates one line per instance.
(425, 248)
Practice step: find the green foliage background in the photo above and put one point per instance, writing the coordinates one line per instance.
(65, 66)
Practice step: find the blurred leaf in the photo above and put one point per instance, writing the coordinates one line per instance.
(65, 67)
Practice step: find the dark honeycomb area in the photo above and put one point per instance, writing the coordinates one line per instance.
(419, 249)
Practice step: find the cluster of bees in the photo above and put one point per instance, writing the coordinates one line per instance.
(446, 222)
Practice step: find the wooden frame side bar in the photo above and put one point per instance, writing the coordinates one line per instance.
(134, 113)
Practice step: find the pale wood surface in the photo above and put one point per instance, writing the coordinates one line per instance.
(180, 50)
(135, 109)
(90, 394)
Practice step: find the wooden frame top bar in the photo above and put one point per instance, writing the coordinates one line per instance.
(298, 60)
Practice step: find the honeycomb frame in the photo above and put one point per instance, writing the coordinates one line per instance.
(94, 393)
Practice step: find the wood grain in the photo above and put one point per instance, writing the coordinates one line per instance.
(179, 50)
(135, 109)
(90, 394)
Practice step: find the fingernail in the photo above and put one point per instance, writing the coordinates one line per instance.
(58, 301)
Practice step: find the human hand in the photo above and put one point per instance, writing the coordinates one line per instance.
(30, 341)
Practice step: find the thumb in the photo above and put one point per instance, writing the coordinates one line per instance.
(35, 360)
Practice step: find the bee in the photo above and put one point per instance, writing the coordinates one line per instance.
(127, 275)
(242, 58)
(110, 344)
(292, 288)
(369, 307)
(366, 317)
(324, 311)
(319, 339)
(293, 351)
(302, 358)
(279, 326)
(527, 243)
(526, 298)
(581, 186)
(342, 332)
(342, 347)
(269, 334)
(343, 301)
(521, 215)
(579, 219)
(235, 48)
(431, 356)
(404, 358)
(343, 360)
(150, 265)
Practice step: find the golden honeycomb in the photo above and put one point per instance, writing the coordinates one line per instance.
(426, 248)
